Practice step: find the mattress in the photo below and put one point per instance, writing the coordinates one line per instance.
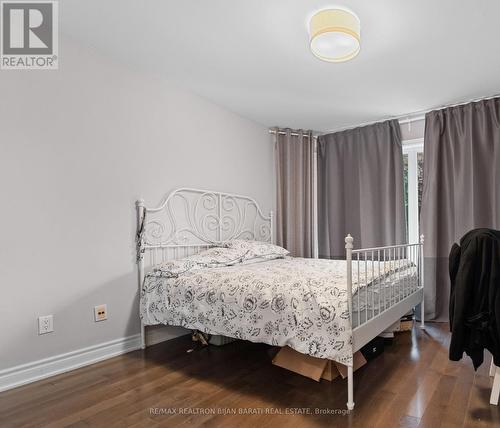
(297, 302)
(370, 301)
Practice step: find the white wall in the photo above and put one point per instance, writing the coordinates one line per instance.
(77, 148)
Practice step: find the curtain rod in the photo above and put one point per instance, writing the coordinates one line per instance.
(295, 134)
(402, 119)
(415, 116)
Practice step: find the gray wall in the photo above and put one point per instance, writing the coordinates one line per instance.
(78, 147)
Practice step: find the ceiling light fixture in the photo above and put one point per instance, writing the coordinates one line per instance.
(334, 35)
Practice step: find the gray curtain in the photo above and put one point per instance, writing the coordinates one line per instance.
(360, 188)
(295, 202)
(461, 188)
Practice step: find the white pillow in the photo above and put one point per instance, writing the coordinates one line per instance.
(234, 252)
(213, 257)
(174, 268)
(257, 249)
(218, 256)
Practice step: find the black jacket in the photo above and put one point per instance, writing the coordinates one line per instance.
(474, 296)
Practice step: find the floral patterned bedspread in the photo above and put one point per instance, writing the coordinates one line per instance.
(297, 302)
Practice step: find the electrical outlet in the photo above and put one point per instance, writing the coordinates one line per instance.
(45, 324)
(100, 313)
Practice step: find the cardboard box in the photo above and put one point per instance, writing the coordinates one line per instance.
(358, 361)
(312, 367)
(330, 371)
(406, 325)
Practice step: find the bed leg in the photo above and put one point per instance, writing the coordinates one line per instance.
(422, 314)
(348, 249)
(422, 306)
(143, 336)
(141, 217)
(350, 388)
(495, 390)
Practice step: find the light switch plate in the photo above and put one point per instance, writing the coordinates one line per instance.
(100, 313)
(45, 324)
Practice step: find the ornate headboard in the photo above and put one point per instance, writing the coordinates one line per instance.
(190, 220)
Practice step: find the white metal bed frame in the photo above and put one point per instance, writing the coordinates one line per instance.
(190, 220)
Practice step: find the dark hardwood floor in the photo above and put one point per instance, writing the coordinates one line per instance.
(411, 385)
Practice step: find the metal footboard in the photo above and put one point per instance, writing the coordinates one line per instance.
(383, 283)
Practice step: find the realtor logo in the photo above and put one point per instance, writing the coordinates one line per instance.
(29, 35)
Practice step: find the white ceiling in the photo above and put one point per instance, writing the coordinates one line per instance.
(252, 56)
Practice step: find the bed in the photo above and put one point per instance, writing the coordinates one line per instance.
(324, 308)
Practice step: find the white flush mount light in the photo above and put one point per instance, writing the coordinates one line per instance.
(334, 35)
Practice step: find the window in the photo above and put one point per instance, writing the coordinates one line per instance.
(413, 162)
